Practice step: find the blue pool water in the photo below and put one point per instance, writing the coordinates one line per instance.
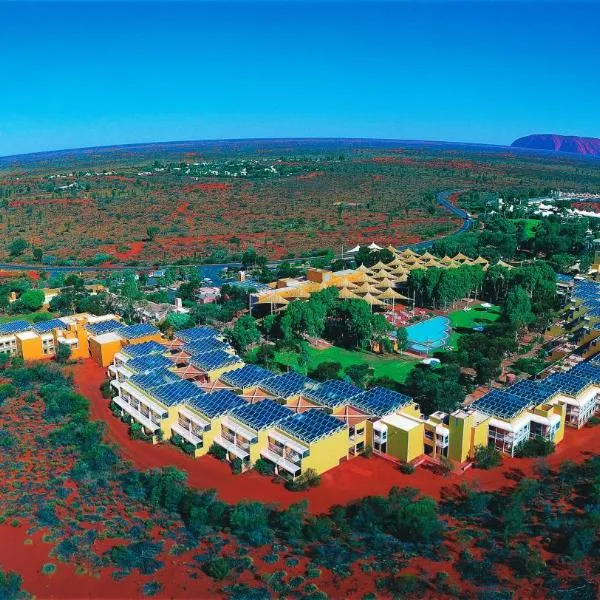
(429, 335)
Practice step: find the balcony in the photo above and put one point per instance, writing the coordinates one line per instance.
(231, 447)
(135, 414)
(186, 435)
(280, 461)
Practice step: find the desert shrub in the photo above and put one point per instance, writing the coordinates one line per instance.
(534, 447)
(136, 432)
(480, 571)
(151, 588)
(106, 389)
(407, 468)
(7, 439)
(594, 420)
(217, 568)
(487, 457)
(237, 465)
(403, 585)
(7, 390)
(218, 452)
(138, 555)
(264, 467)
(10, 586)
(48, 568)
(367, 452)
(310, 478)
(183, 444)
(250, 522)
(446, 466)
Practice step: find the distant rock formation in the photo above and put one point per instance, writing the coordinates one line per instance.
(560, 143)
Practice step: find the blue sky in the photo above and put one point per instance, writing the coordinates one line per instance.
(86, 74)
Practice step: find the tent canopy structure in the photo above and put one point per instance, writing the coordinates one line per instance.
(374, 246)
(371, 300)
(391, 294)
(353, 250)
(273, 299)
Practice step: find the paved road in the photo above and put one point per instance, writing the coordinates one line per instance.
(211, 269)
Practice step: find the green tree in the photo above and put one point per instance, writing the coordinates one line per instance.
(517, 309)
(152, 232)
(32, 300)
(63, 353)
(244, 333)
(17, 247)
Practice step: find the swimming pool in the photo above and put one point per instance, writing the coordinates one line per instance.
(429, 335)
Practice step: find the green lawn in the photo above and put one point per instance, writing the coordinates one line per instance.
(530, 226)
(468, 319)
(396, 367)
(27, 317)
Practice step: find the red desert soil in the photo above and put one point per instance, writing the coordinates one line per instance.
(354, 479)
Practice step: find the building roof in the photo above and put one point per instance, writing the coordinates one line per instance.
(204, 345)
(332, 393)
(216, 404)
(150, 362)
(102, 327)
(138, 330)
(311, 425)
(143, 349)
(154, 379)
(502, 404)
(46, 326)
(214, 360)
(287, 385)
(379, 401)
(261, 415)
(196, 333)
(247, 376)
(14, 327)
(401, 422)
(178, 392)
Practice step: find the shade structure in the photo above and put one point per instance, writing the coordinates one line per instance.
(365, 288)
(460, 257)
(378, 266)
(381, 274)
(401, 270)
(431, 263)
(372, 301)
(359, 277)
(346, 294)
(385, 284)
(353, 250)
(408, 252)
(501, 263)
(480, 261)
(362, 268)
(392, 294)
(374, 246)
(273, 299)
(427, 256)
(313, 286)
(446, 260)
(394, 263)
(299, 292)
(345, 283)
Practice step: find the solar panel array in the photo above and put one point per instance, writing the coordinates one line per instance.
(534, 391)
(287, 385)
(46, 326)
(261, 415)
(588, 294)
(14, 327)
(247, 376)
(311, 425)
(501, 404)
(143, 349)
(204, 345)
(380, 401)
(178, 392)
(216, 404)
(104, 327)
(154, 379)
(138, 330)
(196, 333)
(332, 393)
(144, 364)
(214, 360)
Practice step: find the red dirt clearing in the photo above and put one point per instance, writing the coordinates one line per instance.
(354, 479)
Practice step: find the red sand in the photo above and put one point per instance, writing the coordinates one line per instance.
(352, 480)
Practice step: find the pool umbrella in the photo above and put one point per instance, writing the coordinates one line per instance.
(346, 294)
(393, 295)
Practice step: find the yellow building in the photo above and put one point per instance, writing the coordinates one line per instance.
(400, 436)
(468, 429)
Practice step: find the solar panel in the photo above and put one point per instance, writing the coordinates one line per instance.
(311, 425)
(214, 360)
(144, 364)
(247, 376)
(501, 404)
(534, 391)
(380, 401)
(143, 349)
(137, 331)
(46, 326)
(332, 393)
(204, 345)
(568, 383)
(176, 393)
(104, 327)
(586, 370)
(287, 385)
(216, 404)
(196, 333)
(262, 414)
(14, 327)
(154, 379)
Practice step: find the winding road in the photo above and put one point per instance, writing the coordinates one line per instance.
(443, 199)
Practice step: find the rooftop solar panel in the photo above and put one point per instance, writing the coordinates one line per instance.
(536, 391)
(14, 327)
(332, 393)
(178, 392)
(501, 404)
(216, 404)
(46, 326)
(104, 327)
(138, 330)
(261, 415)
(154, 379)
(568, 383)
(380, 401)
(214, 360)
(247, 376)
(144, 364)
(311, 425)
(287, 385)
(143, 349)
(204, 345)
(196, 333)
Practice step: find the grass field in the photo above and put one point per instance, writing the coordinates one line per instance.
(467, 319)
(396, 367)
(26, 317)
